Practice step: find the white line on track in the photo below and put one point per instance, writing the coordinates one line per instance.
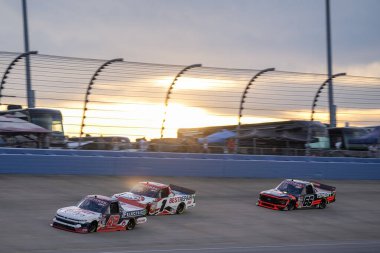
(225, 249)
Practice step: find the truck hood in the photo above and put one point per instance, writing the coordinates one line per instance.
(76, 213)
(134, 199)
(276, 193)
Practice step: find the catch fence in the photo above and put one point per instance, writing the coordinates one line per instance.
(151, 100)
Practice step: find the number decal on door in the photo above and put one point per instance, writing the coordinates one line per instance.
(113, 220)
(308, 200)
(163, 205)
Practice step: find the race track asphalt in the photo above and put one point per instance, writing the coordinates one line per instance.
(225, 219)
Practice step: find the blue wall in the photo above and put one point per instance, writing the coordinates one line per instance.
(34, 161)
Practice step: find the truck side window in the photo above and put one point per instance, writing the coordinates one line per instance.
(165, 193)
(114, 206)
(309, 189)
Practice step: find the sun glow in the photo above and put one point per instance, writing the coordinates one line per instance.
(181, 116)
(145, 120)
(137, 119)
(193, 83)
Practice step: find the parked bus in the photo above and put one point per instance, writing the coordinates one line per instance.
(49, 119)
(340, 138)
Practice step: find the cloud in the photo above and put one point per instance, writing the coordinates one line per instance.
(288, 35)
(370, 69)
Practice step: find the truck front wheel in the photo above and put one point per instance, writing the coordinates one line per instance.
(131, 224)
(93, 227)
(291, 205)
(180, 208)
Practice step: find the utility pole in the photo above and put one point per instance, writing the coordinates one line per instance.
(29, 91)
(332, 110)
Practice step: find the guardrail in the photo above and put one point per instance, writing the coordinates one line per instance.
(37, 161)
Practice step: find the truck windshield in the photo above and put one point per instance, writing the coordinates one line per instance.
(291, 187)
(145, 190)
(94, 205)
(51, 121)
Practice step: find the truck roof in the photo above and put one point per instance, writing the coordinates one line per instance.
(298, 181)
(102, 197)
(154, 184)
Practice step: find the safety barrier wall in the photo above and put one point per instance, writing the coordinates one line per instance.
(34, 161)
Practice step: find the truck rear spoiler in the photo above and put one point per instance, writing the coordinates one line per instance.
(181, 189)
(323, 186)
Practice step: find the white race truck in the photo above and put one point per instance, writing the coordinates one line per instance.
(99, 213)
(159, 199)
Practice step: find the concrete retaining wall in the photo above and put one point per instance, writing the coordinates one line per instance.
(34, 161)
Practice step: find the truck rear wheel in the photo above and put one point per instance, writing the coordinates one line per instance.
(323, 204)
(180, 208)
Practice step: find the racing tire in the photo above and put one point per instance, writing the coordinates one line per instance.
(180, 208)
(323, 204)
(290, 206)
(93, 227)
(131, 224)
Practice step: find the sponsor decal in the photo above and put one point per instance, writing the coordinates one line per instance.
(99, 201)
(132, 196)
(180, 199)
(135, 213)
(296, 184)
(76, 211)
(152, 187)
(141, 220)
(124, 223)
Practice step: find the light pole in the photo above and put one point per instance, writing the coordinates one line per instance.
(329, 67)
(29, 91)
